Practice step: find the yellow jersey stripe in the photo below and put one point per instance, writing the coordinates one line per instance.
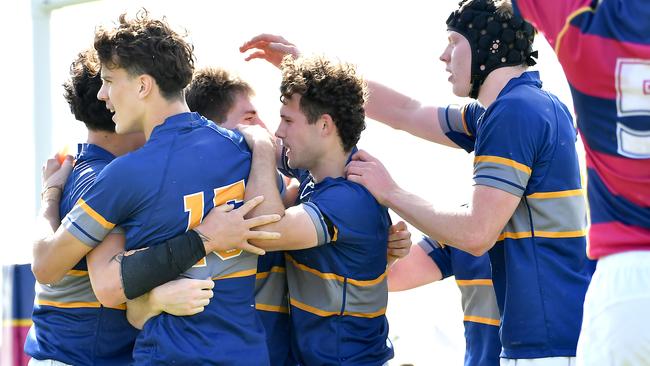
(333, 276)
(502, 161)
(319, 312)
(274, 308)
(77, 273)
(557, 194)
(312, 309)
(462, 111)
(482, 320)
(276, 269)
(381, 312)
(561, 234)
(78, 304)
(567, 24)
(245, 273)
(96, 216)
(543, 234)
(484, 282)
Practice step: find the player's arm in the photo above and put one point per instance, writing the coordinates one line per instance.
(401, 112)
(415, 270)
(473, 229)
(118, 275)
(180, 297)
(56, 254)
(56, 251)
(384, 104)
(300, 225)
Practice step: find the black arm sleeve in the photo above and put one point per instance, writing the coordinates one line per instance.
(146, 269)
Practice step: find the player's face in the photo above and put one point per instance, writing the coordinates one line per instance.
(458, 62)
(120, 91)
(242, 112)
(299, 137)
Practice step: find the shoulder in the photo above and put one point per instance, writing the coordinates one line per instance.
(347, 199)
(230, 138)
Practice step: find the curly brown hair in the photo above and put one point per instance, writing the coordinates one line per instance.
(148, 46)
(80, 91)
(213, 91)
(330, 88)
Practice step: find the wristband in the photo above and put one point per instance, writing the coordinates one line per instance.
(144, 270)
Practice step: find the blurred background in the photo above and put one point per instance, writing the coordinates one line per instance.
(394, 42)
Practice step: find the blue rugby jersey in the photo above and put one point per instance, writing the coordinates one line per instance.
(272, 304)
(70, 325)
(524, 144)
(338, 291)
(604, 48)
(481, 314)
(187, 166)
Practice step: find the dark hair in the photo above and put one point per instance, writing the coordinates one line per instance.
(147, 46)
(213, 91)
(80, 91)
(327, 88)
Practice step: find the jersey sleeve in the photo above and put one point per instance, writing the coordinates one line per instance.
(108, 202)
(335, 213)
(459, 123)
(440, 254)
(507, 148)
(550, 16)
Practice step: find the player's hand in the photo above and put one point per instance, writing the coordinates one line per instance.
(399, 240)
(224, 228)
(366, 170)
(54, 174)
(269, 47)
(182, 297)
(257, 137)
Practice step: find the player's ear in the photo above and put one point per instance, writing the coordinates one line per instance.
(146, 84)
(327, 124)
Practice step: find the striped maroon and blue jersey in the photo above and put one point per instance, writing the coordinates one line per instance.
(604, 48)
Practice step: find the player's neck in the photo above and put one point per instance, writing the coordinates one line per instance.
(109, 141)
(331, 164)
(159, 110)
(496, 81)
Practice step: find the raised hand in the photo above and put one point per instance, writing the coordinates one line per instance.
(269, 47)
(54, 174)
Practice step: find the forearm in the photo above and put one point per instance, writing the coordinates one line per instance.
(414, 270)
(389, 106)
(458, 228)
(141, 309)
(262, 182)
(297, 231)
(401, 112)
(49, 217)
(47, 222)
(55, 255)
(117, 275)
